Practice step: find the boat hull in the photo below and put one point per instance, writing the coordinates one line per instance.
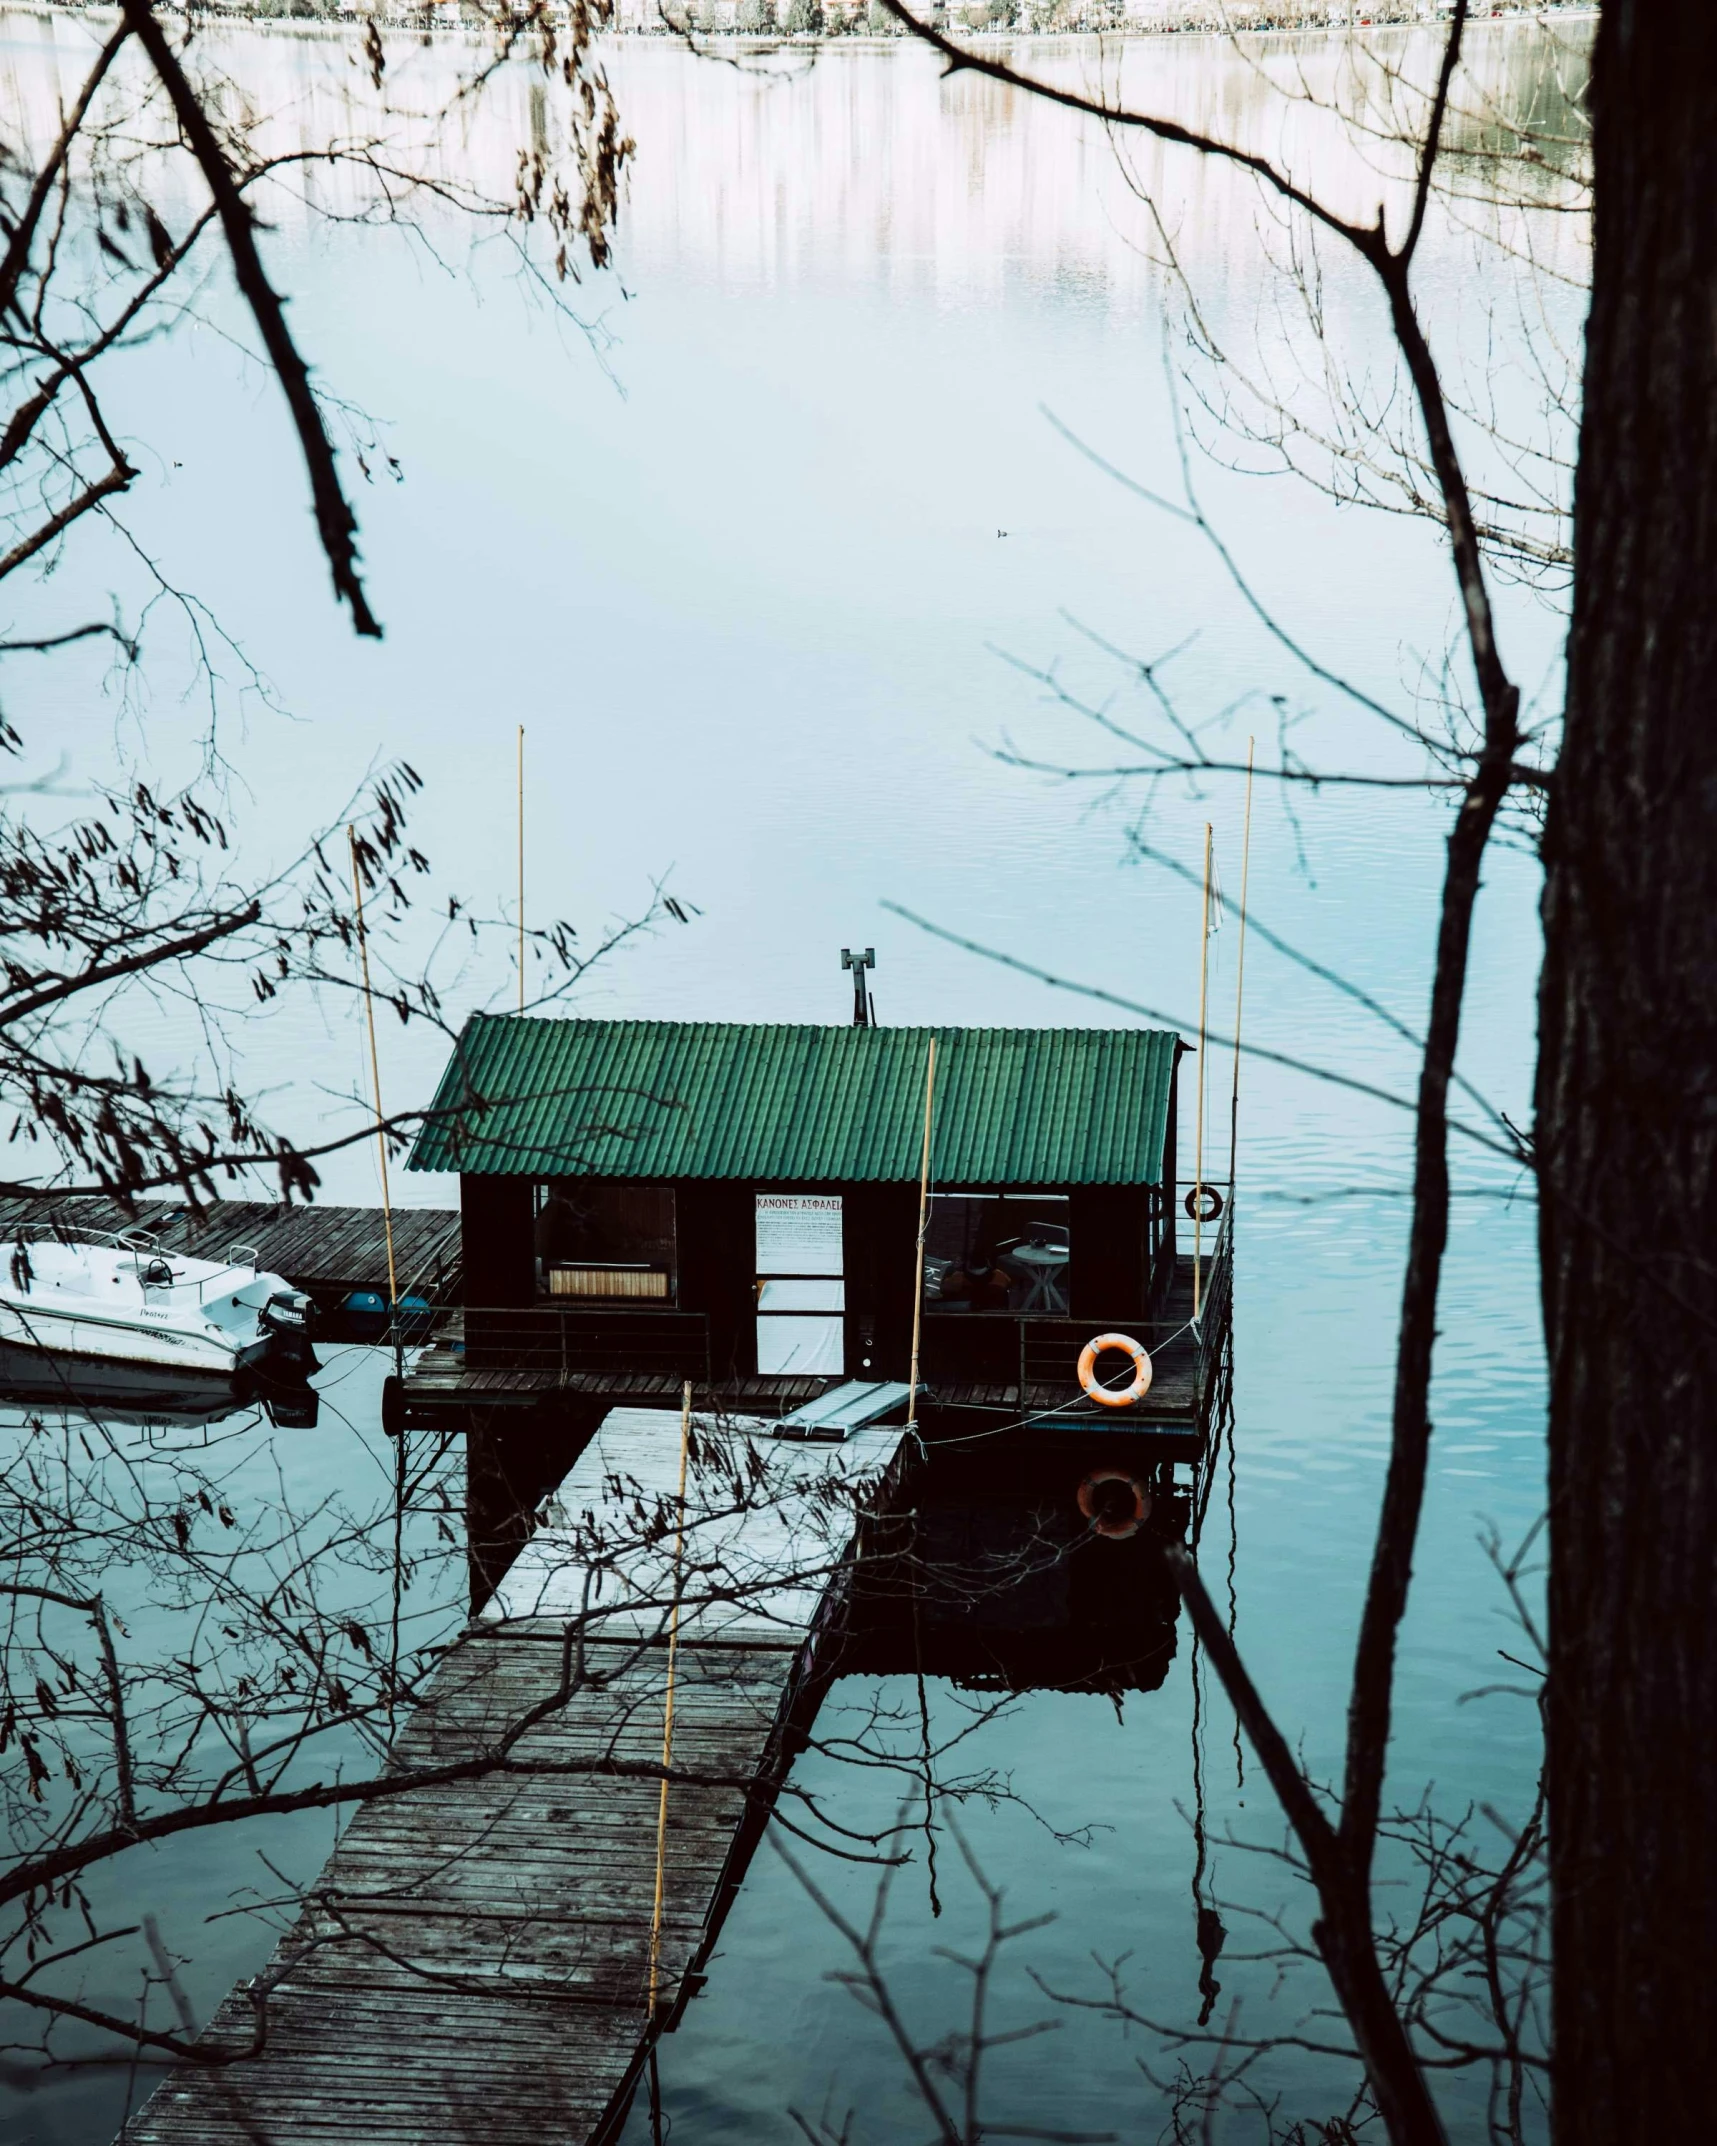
(70, 1331)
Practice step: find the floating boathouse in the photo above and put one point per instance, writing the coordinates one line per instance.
(738, 1204)
(756, 1214)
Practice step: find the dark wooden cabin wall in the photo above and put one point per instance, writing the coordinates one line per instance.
(714, 1233)
(717, 1235)
(1109, 1270)
(496, 1225)
(880, 1224)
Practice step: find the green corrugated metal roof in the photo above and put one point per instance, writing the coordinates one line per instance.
(678, 1099)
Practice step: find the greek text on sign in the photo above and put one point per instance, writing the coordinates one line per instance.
(799, 1233)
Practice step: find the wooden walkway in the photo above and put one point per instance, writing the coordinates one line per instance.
(473, 1962)
(439, 1388)
(326, 1251)
(439, 1391)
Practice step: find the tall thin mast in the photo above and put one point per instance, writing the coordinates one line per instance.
(1198, 1145)
(1240, 977)
(923, 1226)
(375, 1075)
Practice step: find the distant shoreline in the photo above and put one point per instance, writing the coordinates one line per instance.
(769, 23)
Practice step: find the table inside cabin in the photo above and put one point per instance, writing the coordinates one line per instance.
(1046, 1266)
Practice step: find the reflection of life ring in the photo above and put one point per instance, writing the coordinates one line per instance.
(1203, 1203)
(1115, 1396)
(1116, 1504)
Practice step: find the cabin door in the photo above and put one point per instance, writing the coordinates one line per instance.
(801, 1285)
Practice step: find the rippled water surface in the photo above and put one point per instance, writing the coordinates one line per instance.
(759, 576)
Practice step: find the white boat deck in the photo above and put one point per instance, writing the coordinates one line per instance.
(128, 1303)
(768, 1520)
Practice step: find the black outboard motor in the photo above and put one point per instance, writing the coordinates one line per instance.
(292, 1408)
(287, 1316)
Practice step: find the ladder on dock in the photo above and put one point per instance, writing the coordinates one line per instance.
(474, 1960)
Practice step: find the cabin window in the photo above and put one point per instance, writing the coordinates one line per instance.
(997, 1251)
(605, 1243)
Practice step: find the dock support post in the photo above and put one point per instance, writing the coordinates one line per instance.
(513, 1458)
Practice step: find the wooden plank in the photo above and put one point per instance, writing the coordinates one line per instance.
(402, 1980)
(476, 1954)
(767, 1523)
(431, 2069)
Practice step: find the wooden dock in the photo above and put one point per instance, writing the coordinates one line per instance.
(474, 1959)
(326, 1251)
(442, 1390)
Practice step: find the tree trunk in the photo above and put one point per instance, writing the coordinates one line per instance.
(1627, 1126)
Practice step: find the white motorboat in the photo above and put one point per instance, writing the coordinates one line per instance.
(123, 1300)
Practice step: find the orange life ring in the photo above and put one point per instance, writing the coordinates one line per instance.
(1106, 1512)
(1115, 1396)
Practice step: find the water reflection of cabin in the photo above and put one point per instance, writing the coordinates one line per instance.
(647, 1201)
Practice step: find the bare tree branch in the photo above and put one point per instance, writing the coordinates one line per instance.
(335, 522)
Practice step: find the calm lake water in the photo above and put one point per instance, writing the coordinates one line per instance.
(758, 576)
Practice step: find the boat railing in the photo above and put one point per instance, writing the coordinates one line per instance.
(240, 1257)
(138, 1241)
(140, 1245)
